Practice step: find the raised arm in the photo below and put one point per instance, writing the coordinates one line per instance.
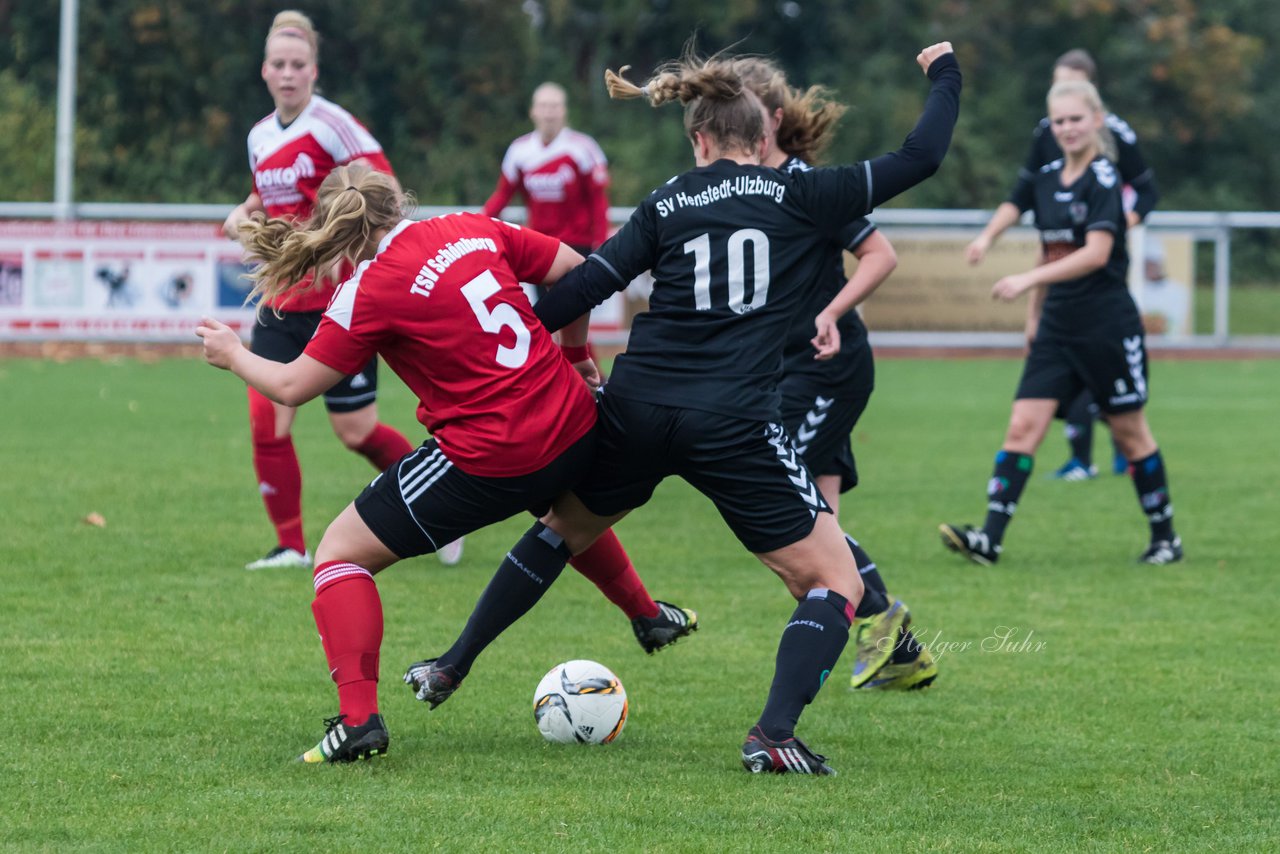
(922, 151)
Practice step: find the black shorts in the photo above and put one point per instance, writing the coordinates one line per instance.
(424, 501)
(283, 338)
(820, 427)
(749, 469)
(1110, 364)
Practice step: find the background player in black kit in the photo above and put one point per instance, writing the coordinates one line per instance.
(1089, 333)
(825, 391)
(1080, 413)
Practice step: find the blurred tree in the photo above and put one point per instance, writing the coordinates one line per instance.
(168, 89)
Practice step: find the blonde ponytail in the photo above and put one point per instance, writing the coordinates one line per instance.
(352, 204)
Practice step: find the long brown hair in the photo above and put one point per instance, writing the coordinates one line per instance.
(809, 116)
(717, 104)
(352, 204)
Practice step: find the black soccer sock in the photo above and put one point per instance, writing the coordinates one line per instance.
(1080, 440)
(875, 599)
(1153, 494)
(525, 574)
(1079, 428)
(811, 644)
(1003, 491)
(907, 650)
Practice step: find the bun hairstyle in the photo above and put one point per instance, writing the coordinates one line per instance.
(716, 102)
(352, 204)
(1078, 59)
(297, 25)
(1089, 94)
(809, 117)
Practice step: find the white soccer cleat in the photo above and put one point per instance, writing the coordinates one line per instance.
(281, 558)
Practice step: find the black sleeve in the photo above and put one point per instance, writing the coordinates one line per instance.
(1136, 173)
(922, 152)
(1023, 193)
(578, 291)
(852, 235)
(606, 271)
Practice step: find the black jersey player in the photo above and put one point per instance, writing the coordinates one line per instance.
(1135, 174)
(826, 385)
(1089, 334)
(735, 249)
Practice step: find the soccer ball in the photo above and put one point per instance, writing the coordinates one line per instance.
(580, 701)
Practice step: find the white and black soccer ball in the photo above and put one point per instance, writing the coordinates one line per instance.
(580, 701)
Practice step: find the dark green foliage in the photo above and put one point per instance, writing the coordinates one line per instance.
(168, 89)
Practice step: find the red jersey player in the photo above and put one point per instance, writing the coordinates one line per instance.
(512, 423)
(561, 173)
(290, 153)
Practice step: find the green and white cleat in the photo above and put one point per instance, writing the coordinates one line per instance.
(342, 743)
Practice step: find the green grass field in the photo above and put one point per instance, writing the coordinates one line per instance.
(156, 693)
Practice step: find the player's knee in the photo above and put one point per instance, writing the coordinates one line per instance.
(353, 439)
(354, 429)
(1023, 435)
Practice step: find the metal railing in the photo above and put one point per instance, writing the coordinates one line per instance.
(1205, 226)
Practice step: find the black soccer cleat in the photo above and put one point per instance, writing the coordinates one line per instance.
(432, 683)
(1162, 552)
(791, 756)
(970, 542)
(671, 624)
(342, 743)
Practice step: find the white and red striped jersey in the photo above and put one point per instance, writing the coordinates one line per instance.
(290, 162)
(441, 302)
(563, 184)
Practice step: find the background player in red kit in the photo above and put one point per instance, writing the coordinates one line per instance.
(290, 153)
(561, 173)
(512, 423)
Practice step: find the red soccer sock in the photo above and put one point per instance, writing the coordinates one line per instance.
(607, 566)
(384, 446)
(348, 613)
(280, 482)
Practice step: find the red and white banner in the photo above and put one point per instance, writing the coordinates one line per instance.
(133, 281)
(129, 281)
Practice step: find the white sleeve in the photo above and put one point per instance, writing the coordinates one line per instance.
(511, 163)
(343, 137)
